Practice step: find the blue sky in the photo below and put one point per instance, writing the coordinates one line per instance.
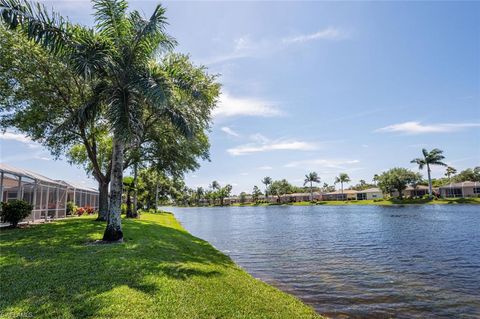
(355, 87)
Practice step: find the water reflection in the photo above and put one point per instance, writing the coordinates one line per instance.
(356, 261)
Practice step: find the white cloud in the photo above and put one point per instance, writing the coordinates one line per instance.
(419, 128)
(263, 144)
(323, 163)
(15, 137)
(18, 137)
(230, 106)
(265, 168)
(246, 47)
(229, 131)
(244, 174)
(329, 33)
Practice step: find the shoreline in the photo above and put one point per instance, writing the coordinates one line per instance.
(383, 202)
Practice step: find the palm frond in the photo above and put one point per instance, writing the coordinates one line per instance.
(424, 152)
(92, 53)
(88, 113)
(150, 36)
(180, 122)
(110, 18)
(50, 30)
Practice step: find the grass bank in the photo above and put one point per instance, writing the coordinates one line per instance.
(160, 271)
(383, 202)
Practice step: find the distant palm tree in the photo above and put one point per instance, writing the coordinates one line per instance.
(200, 192)
(215, 185)
(449, 172)
(266, 181)
(342, 178)
(434, 157)
(311, 178)
(375, 179)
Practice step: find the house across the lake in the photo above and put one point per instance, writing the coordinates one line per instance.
(347, 194)
(462, 189)
(371, 193)
(47, 196)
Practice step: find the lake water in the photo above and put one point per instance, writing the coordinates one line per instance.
(355, 261)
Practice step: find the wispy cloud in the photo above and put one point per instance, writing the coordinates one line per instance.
(229, 131)
(419, 128)
(230, 106)
(18, 137)
(246, 47)
(263, 144)
(323, 163)
(265, 168)
(329, 33)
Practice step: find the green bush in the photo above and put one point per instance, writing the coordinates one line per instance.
(124, 208)
(14, 211)
(71, 208)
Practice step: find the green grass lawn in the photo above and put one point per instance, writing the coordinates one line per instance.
(160, 271)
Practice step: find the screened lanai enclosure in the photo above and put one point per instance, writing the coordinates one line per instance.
(47, 196)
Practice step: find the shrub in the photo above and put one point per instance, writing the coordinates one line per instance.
(14, 211)
(80, 211)
(124, 208)
(71, 208)
(89, 210)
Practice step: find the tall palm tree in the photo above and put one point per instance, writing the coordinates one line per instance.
(311, 178)
(434, 157)
(449, 172)
(342, 178)
(118, 57)
(215, 185)
(267, 181)
(199, 193)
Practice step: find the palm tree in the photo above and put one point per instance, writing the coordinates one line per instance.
(199, 194)
(267, 181)
(215, 185)
(434, 157)
(118, 57)
(311, 178)
(449, 172)
(342, 178)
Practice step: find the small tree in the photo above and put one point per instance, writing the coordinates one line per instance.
(256, 193)
(243, 198)
(449, 172)
(14, 211)
(397, 179)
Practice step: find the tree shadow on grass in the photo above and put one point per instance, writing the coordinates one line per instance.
(49, 271)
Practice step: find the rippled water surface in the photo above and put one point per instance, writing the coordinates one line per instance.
(356, 261)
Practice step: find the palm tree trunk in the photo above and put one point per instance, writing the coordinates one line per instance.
(135, 192)
(102, 201)
(311, 191)
(129, 204)
(430, 191)
(113, 232)
(156, 195)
